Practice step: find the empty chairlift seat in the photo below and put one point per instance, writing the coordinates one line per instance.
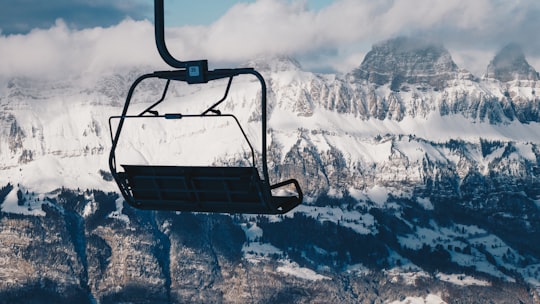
(201, 188)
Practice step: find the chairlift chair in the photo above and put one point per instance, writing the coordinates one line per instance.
(220, 189)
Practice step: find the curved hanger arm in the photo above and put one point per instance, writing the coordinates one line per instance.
(159, 26)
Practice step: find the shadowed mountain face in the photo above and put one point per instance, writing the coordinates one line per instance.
(407, 60)
(510, 64)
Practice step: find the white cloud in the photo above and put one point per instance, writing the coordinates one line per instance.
(348, 27)
(334, 37)
(61, 51)
(23, 16)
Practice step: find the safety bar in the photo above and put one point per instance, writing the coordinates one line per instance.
(181, 116)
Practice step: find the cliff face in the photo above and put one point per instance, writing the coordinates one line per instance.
(418, 176)
(83, 250)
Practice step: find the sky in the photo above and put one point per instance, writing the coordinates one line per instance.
(60, 37)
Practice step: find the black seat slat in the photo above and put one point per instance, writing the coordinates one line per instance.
(203, 189)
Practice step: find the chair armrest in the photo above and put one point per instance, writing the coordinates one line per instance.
(293, 201)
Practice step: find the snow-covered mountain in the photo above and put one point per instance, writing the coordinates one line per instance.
(510, 65)
(408, 60)
(416, 172)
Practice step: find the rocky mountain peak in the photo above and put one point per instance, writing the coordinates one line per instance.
(510, 64)
(407, 60)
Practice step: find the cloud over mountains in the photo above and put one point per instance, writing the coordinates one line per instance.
(334, 38)
(19, 17)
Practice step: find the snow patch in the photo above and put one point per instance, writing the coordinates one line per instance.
(425, 203)
(378, 194)
(89, 209)
(361, 223)
(254, 250)
(408, 277)
(335, 193)
(31, 205)
(117, 214)
(429, 299)
(252, 231)
(262, 249)
(526, 151)
(292, 268)
(358, 195)
(462, 280)
(358, 269)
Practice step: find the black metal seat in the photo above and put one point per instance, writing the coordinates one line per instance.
(206, 189)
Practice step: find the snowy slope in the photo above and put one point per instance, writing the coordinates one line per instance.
(61, 130)
(365, 154)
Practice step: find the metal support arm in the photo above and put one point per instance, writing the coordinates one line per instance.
(159, 26)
